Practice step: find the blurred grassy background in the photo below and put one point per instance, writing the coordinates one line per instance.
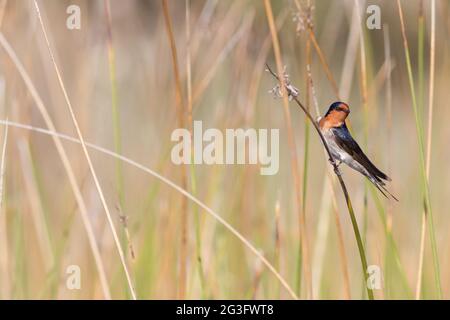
(41, 230)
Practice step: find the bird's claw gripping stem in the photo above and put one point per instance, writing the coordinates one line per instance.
(337, 171)
(334, 163)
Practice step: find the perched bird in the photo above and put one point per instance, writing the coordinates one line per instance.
(344, 148)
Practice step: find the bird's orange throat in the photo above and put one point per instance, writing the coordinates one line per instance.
(332, 120)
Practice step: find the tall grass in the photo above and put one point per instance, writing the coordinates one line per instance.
(114, 101)
(293, 153)
(67, 166)
(181, 123)
(88, 158)
(364, 101)
(342, 183)
(420, 137)
(4, 266)
(193, 178)
(430, 121)
(173, 240)
(339, 175)
(328, 178)
(3, 163)
(169, 183)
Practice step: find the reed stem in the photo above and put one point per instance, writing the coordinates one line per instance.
(341, 181)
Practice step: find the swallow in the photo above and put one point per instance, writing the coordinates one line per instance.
(344, 148)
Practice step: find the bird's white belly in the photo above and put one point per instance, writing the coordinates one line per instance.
(341, 155)
(337, 153)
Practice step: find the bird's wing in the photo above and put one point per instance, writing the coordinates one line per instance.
(344, 140)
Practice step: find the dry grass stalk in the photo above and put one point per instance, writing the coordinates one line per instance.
(330, 182)
(324, 63)
(419, 132)
(182, 191)
(339, 176)
(65, 160)
(66, 163)
(351, 51)
(88, 158)
(114, 101)
(2, 10)
(389, 66)
(204, 82)
(198, 222)
(4, 253)
(181, 124)
(293, 152)
(36, 209)
(3, 163)
(124, 220)
(328, 178)
(429, 135)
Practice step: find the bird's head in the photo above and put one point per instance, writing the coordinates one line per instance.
(338, 110)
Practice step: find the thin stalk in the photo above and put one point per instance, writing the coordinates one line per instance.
(201, 86)
(117, 135)
(3, 163)
(328, 178)
(197, 222)
(388, 102)
(419, 131)
(66, 164)
(293, 152)
(277, 242)
(324, 63)
(420, 54)
(306, 139)
(423, 229)
(306, 157)
(124, 220)
(341, 181)
(259, 66)
(168, 182)
(5, 278)
(114, 103)
(391, 241)
(345, 83)
(86, 153)
(386, 215)
(2, 11)
(363, 81)
(341, 246)
(330, 182)
(429, 132)
(256, 281)
(36, 207)
(181, 121)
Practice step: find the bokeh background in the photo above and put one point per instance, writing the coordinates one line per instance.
(119, 74)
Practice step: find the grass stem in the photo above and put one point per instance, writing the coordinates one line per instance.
(342, 183)
(180, 110)
(168, 182)
(429, 135)
(293, 152)
(88, 158)
(419, 131)
(66, 163)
